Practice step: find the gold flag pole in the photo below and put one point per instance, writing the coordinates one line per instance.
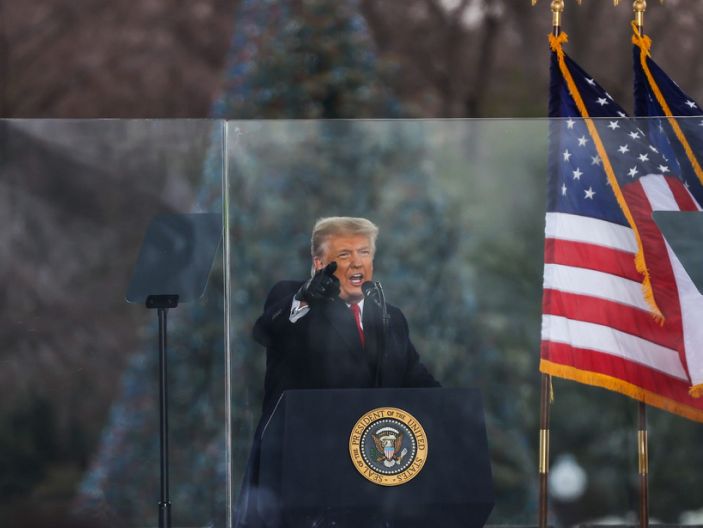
(544, 408)
(643, 464)
(557, 8)
(639, 7)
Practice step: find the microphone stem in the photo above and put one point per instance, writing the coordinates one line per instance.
(385, 319)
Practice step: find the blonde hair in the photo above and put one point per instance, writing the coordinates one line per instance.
(340, 225)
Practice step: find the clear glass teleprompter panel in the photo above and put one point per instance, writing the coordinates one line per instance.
(461, 209)
(79, 413)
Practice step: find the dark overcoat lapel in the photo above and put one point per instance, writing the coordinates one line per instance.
(341, 319)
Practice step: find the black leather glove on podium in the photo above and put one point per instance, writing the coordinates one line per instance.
(323, 286)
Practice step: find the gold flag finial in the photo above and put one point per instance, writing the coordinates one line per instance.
(557, 7)
(639, 7)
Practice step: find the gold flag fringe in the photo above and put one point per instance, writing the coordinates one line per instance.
(604, 381)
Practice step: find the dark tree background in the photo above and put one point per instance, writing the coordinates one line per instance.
(448, 58)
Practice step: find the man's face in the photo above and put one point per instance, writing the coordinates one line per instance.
(354, 258)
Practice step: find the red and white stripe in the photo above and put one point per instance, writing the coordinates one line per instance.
(595, 316)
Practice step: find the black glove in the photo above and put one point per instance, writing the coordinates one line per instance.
(323, 286)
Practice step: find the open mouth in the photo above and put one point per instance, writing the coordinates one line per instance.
(357, 279)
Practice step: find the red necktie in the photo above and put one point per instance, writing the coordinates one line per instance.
(357, 317)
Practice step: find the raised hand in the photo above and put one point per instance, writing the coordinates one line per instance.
(323, 286)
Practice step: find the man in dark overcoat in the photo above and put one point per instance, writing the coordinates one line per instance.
(325, 333)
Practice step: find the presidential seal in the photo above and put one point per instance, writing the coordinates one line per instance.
(388, 446)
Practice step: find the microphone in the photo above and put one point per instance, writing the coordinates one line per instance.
(368, 289)
(371, 291)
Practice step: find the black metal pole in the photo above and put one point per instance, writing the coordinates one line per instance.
(164, 502)
(385, 320)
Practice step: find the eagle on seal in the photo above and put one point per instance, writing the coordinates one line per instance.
(388, 444)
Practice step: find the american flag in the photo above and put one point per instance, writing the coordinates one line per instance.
(658, 98)
(598, 324)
